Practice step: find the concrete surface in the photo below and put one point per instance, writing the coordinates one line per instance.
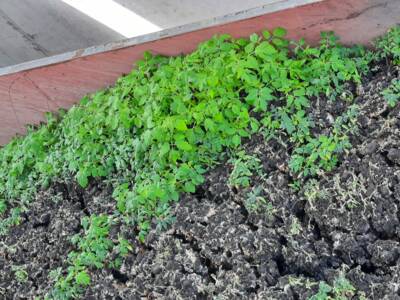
(172, 13)
(32, 29)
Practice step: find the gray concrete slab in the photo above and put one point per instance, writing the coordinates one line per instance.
(32, 29)
(172, 13)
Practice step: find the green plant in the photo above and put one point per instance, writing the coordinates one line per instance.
(312, 191)
(122, 248)
(346, 123)
(55, 274)
(255, 202)
(392, 93)
(243, 167)
(21, 275)
(388, 46)
(295, 226)
(320, 154)
(12, 219)
(92, 250)
(342, 289)
(317, 155)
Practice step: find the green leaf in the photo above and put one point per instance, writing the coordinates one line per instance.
(3, 206)
(252, 62)
(278, 42)
(181, 125)
(189, 187)
(183, 145)
(236, 140)
(82, 178)
(254, 38)
(164, 149)
(82, 278)
(265, 50)
(209, 124)
(266, 34)
(287, 123)
(249, 48)
(279, 32)
(147, 55)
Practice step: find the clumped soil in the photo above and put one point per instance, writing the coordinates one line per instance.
(346, 222)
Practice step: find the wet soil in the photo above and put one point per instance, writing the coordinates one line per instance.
(342, 223)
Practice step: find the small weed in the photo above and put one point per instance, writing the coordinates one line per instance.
(295, 227)
(319, 154)
(352, 192)
(244, 166)
(54, 275)
(295, 185)
(388, 46)
(392, 93)
(346, 123)
(12, 220)
(342, 289)
(92, 250)
(312, 191)
(21, 275)
(122, 249)
(255, 202)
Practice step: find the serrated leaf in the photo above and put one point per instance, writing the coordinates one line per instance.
(251, 62)
(3, 206)
(249, 48)
(189, 187)
(278, 42)
(264, 50)
(287, 123)
(266, 34)
(183, 145)
(181, 125)
(236, 140)
(82, 179)
(279, 32)
(254, 38)
(209, 124)
(82, 278)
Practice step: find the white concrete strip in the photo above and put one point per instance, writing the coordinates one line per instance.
(114, 16)
(273, 6)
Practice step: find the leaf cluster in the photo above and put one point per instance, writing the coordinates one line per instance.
(388, 46)
(156, 132)
(91, 251)
(392, 93)
(342, 289)
(244, 166)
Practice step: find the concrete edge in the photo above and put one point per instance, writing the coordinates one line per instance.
(275, 6)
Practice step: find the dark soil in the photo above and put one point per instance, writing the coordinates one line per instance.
(346, 222)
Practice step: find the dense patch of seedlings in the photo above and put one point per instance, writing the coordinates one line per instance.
(156, 133)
